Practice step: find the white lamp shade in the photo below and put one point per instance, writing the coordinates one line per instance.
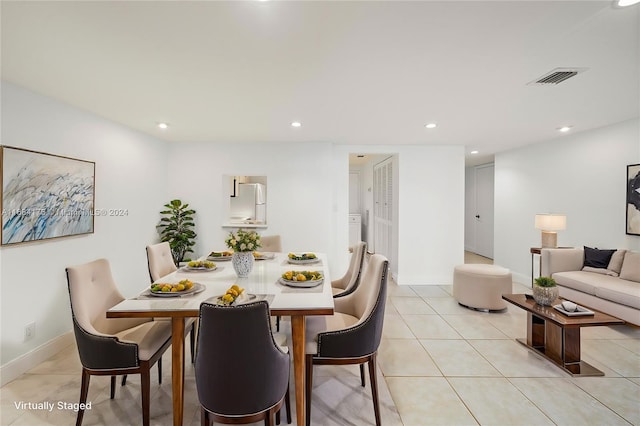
(551, 222)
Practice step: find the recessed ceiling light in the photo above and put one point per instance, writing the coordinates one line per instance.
(163, 126)
(474, 152)
(564, 129)
(431, 125)
(296, 124)
(625, 3)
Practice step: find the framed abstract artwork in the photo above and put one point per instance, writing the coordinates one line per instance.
(633, 199)
(44, 195)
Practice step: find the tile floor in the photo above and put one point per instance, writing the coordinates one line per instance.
(439, 364)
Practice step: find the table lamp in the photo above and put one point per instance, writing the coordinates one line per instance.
(549, 224)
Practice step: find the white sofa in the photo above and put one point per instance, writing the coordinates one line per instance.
(614, 289)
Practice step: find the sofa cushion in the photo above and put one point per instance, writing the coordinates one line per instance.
(597, 258)
(602, 271)
(585, 282)
(615, 264)
(631, 267)
(621, 291)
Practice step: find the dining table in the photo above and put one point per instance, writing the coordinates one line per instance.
(264, 282)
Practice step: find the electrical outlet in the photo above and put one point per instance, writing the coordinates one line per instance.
(30, 331)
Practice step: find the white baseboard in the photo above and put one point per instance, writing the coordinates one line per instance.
(15, 368)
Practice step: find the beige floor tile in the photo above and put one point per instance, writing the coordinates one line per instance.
(448, 306)
(621, 360)
(632, 345)
(611, 333)
(619, 394)
(423, 401)
(411, 305)
(394, 290)
(405, 357)
(477, 327)
(566, 404)
(512, 359)
(512, 323)
(396, 328)
(458, 358)
(429, 291)
(66, 361)
(430, 327)
(447, 288)
(341, 400)
(495, 401)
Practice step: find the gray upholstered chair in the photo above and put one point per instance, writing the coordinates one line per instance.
(111, 346)
(353, 333)
(160, 263)
(242, 375)
(271, 243)
(349, 282)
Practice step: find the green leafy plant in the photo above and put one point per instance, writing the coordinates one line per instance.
(176, 227)
(545, 282)
(243, 241)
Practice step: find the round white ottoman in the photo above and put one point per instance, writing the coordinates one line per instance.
(480, 286)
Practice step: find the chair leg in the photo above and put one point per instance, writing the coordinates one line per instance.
(287, 402)
(124, 380)
(278, 323)
(204, 417)
(268, 420)
(374, 387)
(277, 417)
(160, 370)
(84, 390)
(193, 344)
(112, 394)
(145, 388)
(309, 386)
(362, 374)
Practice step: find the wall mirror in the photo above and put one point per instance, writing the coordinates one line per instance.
(247, 199)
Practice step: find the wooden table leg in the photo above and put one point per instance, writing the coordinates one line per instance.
(298, 329)
(177, 368)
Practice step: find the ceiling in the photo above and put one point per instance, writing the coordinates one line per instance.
(364, 73)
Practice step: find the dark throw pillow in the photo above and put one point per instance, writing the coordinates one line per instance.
(597, 258)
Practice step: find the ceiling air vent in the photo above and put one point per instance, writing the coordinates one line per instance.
(557, 76)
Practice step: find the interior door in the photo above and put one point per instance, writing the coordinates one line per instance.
(382, 207)
(484, 210)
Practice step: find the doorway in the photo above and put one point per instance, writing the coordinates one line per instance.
(479, 211)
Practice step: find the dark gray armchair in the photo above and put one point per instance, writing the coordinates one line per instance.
(111, 346)
(242, 375)
(352, 334)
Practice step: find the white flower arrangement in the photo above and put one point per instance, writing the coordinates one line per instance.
(243, 241)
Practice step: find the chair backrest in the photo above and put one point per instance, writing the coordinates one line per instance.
(272, 243)
(352, 277)
(368, 304)
(92, 292)
(160, 260)
(239, 369)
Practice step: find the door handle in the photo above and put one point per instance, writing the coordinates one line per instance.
(477, 216)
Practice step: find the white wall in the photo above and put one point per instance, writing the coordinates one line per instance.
(430, 208)
(582, 175)
(130, 174)
(299, 189)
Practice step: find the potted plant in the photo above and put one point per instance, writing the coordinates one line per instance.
(176, 227)
(545, 291)
(243, 243)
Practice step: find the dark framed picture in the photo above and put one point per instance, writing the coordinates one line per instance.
(633, 199)
(44, 195)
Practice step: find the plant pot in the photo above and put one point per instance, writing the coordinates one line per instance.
(545, 295)
(242, 262)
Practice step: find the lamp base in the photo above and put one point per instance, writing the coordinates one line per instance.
(549, 239)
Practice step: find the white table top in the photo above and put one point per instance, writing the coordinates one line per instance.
(263, 280)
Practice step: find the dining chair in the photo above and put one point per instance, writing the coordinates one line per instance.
(160, 263)
(352, 334)
(111, 346)
(349, 282)
(242, 375)
(271, 243)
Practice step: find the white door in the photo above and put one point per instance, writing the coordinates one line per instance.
(484, 210)
(382, 207)
(354, 192)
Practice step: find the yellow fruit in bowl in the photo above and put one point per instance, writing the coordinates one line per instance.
(301, 277)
